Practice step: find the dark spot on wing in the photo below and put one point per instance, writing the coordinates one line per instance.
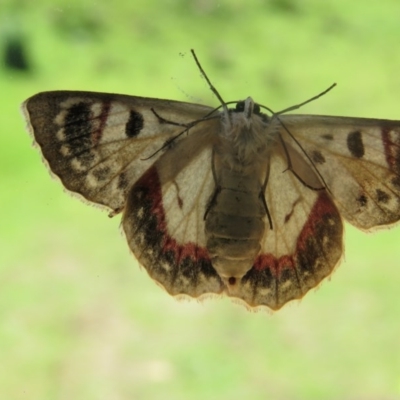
(77, 120)
(382, 196)
(317, 157)
(362, 200)
(122, 181)
(77, 124)
(396, 181)
(355, 144)
(77, 130)
(328, 136)
(134, 124)
(101, 174)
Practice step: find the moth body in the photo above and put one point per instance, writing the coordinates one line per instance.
(235, 219)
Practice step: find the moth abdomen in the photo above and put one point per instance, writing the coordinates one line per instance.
(231, 226)
(233, 248)
(234, 228)
(231, 257)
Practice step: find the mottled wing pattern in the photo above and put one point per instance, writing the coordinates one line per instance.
(99, 144)
(303, 247)
(359, 161)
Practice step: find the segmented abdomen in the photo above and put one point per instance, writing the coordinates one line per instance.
(234, 224)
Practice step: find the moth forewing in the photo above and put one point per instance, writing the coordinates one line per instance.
(98, 143)
(359, 161)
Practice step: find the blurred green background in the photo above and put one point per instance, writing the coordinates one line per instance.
(78, 318)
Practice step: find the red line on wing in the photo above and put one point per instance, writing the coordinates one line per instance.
(323, 206)
(97, 134)
(276, 265)
(392, 152)
(188, 250)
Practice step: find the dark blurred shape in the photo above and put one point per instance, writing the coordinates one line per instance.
(284, 6)
(15, 54)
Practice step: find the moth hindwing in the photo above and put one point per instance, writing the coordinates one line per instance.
(230, 201)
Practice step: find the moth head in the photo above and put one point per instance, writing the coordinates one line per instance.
(247, 107)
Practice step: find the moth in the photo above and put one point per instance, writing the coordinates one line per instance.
(223, 200)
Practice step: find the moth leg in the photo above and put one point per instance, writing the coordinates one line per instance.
(264, 201)
(293, 171)
(212, 201)
(288, 159)
(290, 164)
(217, 190)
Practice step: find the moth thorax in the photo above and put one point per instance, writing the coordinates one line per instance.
(245, 140)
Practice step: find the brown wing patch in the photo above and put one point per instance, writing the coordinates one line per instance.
(179, 268)
(273, 281)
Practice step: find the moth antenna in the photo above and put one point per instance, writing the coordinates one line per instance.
(297, 106)
(166, 144)
(211, 86)
(187, 127)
